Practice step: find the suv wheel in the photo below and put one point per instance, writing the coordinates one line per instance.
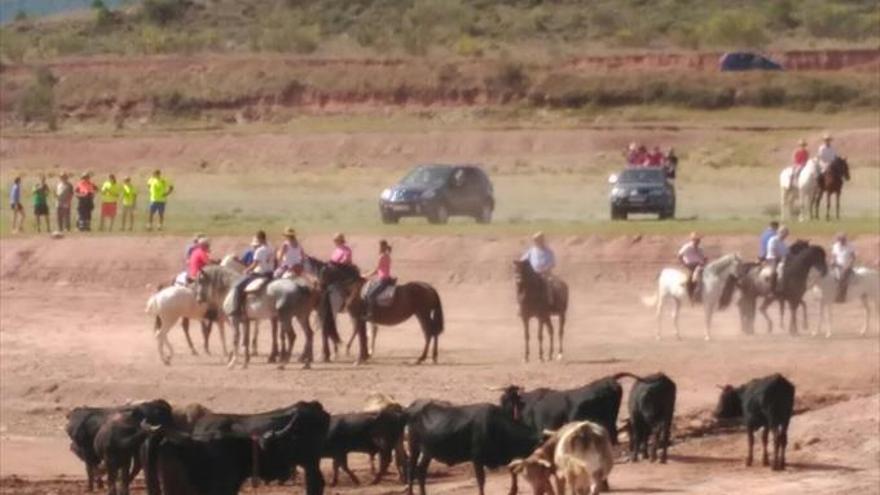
(388, 218)
(439, 214)
(617, 214)
(485, 213)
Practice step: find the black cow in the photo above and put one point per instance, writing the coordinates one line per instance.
(762, 403)
(483, 434)
(303, 445)
(548, 409)
(369, 433)
(83, 424)
(651, 410)
(219, 463)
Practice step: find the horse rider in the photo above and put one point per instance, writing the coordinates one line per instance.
(341, 252)
(192, 246)
(542, 260)
(798, 160)
(769, 232)
(263, 266)
(199, 257)
(692, 257)
(843, 256)
(382, 272)
(776, 253)
(827, 154)
(290, 256)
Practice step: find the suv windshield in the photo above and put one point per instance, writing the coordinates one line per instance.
(427, 176)
(642, 175)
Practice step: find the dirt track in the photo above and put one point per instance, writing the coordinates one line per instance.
(72, 332)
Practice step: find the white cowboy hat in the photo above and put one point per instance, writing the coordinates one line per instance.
(289, 232)
(538, 236)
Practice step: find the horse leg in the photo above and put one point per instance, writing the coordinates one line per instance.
(374, 331)
(541, 339)
(837, 207)
(561, 333)
(793, 327)
(867, 307)
(661, 302)
(361, 327)
(290, 334)
(676, 310)
(222, 326)
(350, 342)
(273, 355)
(254, 338)
(764, 305)
(307, 355)
(247, 343)
(827, 205)
(710, 308)
(184, 322)
(550, 334)
(525, 320)
(236, 338)
(206, 335)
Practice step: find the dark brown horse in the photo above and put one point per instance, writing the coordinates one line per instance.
(531, 294)
(411, 299)
(831, 182)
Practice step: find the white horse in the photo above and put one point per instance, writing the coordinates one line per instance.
(804, 194)
(863, 285)
(171, 304)
(719, 283)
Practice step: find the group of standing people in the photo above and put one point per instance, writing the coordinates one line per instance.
(110, 194)
(260, 261)
(638, 155)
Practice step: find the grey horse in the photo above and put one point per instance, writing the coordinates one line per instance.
(279, 301)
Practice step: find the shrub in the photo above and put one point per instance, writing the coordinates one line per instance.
(175, 104)
(162, 12)
(38, 101)
(735, 28)
(103, 16)
(510, 79)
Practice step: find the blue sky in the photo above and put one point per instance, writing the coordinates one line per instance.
(35, 8)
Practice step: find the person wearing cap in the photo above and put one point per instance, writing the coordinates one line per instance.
(85, 201)
(290, 256)
(382, 272)
(263, 266)
(827, 153)
(110, 192)
(542, 260)
(843, 256)
(129, 203)
(341, 252)
(776, 253)
(199, 258)
(63, 198)
(798, 160)
(160, 188)
(766, 235)
(40, 195)
(692, 257)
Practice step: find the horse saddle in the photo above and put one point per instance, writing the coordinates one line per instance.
(181, 279)
(256, 285)
(384, 298)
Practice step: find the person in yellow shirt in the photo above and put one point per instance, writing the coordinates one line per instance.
(160, 188)
(129, 203)
(110, 192)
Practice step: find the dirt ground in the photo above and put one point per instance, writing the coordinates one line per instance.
(73, 332)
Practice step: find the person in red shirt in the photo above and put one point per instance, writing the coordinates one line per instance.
(198, 259)
(799, 159)
(655, 158)
(382, 272)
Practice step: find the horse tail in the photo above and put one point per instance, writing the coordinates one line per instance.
(328, 319)
(727, 292)
(437, 314)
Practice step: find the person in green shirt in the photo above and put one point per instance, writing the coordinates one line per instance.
(160, 188)
(129, 202)
(110, 192)
(41, 203)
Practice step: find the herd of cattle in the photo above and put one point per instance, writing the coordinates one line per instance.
(542, 435)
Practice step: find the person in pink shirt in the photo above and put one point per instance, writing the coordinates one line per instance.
(198, 259)
(342, 253)
(382, 272)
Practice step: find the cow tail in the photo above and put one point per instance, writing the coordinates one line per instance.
(255, 462)
(727, 292)
(437, 315)
(328, 319)
(151, 468)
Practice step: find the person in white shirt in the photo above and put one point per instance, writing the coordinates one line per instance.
(693, 258)
(776, 252)
(827, 153)
(262, 266)
(290, 256)
(542, 260)
(843, 256)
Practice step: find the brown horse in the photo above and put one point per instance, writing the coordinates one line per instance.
(831, 182)
(411, 299)
(531, 293)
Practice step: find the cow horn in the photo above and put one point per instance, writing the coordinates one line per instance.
(149, 427)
